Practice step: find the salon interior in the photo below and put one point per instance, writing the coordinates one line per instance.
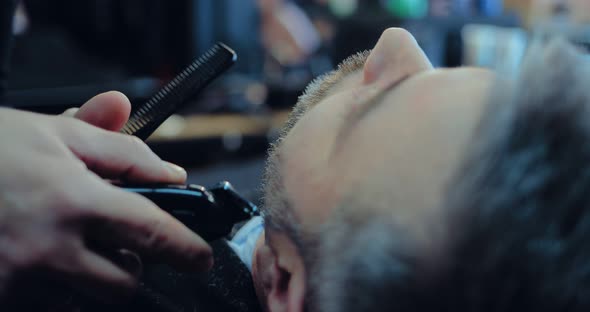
(66, 51)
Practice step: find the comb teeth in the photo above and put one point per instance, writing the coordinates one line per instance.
(149, 116)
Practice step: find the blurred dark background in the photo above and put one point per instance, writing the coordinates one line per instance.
(66, 51)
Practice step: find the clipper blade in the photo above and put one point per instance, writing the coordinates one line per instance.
(200, 73)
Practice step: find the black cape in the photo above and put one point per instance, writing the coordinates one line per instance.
(227, 287)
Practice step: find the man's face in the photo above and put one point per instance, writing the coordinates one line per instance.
(396, 121)
(392, 123)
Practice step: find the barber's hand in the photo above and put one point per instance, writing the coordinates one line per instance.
(53, 199)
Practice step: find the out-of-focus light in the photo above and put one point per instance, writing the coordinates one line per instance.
(20, 22)
(343, 8)
(256, 93)
(410, 9)
(232, 140)
(492, 7)
(172, 127)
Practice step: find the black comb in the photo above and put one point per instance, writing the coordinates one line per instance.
(149, 116)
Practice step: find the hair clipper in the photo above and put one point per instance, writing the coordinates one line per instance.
(211, 213)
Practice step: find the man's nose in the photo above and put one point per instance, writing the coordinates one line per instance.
(395, 56)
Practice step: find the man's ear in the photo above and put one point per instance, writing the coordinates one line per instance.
(287, 291)
(287, 281)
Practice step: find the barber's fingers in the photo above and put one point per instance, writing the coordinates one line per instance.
(127, 220)
(115, 155)
(96, 276)
(109, 111)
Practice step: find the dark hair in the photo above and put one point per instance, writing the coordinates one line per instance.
(519, 213)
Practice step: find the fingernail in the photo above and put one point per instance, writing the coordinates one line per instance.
(177, 172)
